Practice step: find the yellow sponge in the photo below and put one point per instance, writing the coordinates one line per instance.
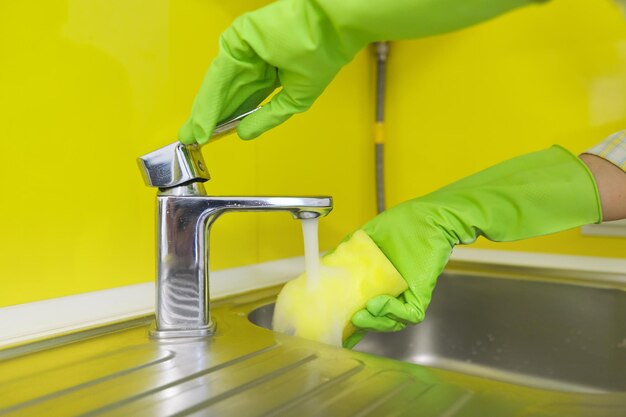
(355, 272)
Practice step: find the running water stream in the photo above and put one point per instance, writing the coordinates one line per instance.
(311, 252)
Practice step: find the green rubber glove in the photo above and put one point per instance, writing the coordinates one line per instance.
(301, 45)
(531, 195)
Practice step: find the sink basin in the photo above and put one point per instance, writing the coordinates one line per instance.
(559, 344)
(542, 334)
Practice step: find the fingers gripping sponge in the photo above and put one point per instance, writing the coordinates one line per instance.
(355, 272)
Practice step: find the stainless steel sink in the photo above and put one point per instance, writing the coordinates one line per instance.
(548, 335)
(519, 349)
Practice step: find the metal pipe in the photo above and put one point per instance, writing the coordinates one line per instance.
(382, 53)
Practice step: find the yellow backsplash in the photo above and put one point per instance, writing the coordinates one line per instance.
(87, 86)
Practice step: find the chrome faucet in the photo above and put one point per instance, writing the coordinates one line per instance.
(185, 214)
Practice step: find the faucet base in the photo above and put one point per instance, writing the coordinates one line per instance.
(182, 333)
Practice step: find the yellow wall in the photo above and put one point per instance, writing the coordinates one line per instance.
(88, 85)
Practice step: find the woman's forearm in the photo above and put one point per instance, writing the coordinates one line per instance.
(611, 182)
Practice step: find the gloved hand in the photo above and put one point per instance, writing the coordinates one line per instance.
(531, 195)
(301, 45)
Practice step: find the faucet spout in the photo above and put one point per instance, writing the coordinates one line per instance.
(298, 207)
(183, 227)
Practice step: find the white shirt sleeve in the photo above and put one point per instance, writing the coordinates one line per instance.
(613, 149)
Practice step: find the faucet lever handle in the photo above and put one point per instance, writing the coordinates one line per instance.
(227, 126)
(173, 165)
(177, 164)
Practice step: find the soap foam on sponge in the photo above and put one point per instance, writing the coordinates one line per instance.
(348, 277)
